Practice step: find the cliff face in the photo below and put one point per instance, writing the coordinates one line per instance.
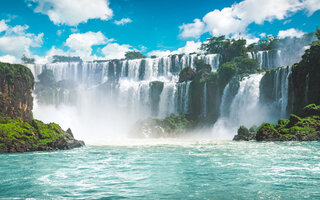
(16, 84)
(19, 132)
(305, 80)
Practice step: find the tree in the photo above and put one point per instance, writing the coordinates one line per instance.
(213, 45)
(187, 73)
(226, 72)
(134, 55)
(59, 58)
(318, 33)
(46, 78)
(227, 48)
(246, 65)
(153, 56)
(201, 66)
(26, 60)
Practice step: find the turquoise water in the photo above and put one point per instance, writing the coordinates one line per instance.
(166, 170)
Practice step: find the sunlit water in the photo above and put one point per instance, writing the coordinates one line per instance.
(166, 169)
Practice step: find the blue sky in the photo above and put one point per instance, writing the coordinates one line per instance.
(101, 29)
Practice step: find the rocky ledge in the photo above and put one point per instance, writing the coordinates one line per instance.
(17, 135)
(303, 128)
(19, 132)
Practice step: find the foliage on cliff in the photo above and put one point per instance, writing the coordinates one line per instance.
(227, 48)
(19, 132)
(17, 135)
(305, 80)
(134, 55)
(187, 73)
(303, 128)
(59, 58)
(306, 128)
(171, 126)
(16, 84)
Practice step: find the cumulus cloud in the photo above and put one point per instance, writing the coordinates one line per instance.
(123, 21)
(8, 59)
(3, 26)
(235, 19)
(81, 43)
(190, 47)
(115, 50)
(290, 33)
(16, 41)
(72, 12)
(194, 29)
(312, 6)
(159, 53)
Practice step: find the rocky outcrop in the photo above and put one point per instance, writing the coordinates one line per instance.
(19, 132)
(244, 134)
(305, 80)
(172, 126)
(304, 128)
(17, 135)
(16, 84)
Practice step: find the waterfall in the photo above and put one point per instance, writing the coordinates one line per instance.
(168, 100)
(280, 90)
(183, 97)
(243, 110)
(204, 104)
(223, 105)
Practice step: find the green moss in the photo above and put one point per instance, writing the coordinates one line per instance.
(15, 71)
(295, 128)
(17, 133)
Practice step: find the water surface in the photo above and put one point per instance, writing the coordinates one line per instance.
(166, 169)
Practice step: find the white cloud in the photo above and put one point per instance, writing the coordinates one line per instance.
(3, 26)
(115, 50)
(16, 42)
(81, 43)
(190, 47)
(235, 19)
(312, 6)
(123, 21)
(159, 53)
(194, 29)
(71, 12)
(263, 35)
(290, 33)
(8, 59)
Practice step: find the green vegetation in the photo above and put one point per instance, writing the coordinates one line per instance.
(26, 60)
(134, 55)
(187, 73)
(227, 48)
(306, 128)
(175, 123)
(58, 58)
(46, 78)
(23, 136)
(13, 72)
(171, 126)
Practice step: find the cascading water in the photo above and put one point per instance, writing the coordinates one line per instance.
(118, 90)
(280, 91)
(245, 108)
(204, 106)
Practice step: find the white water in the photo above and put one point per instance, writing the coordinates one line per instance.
(245, 108)
(112, 95)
